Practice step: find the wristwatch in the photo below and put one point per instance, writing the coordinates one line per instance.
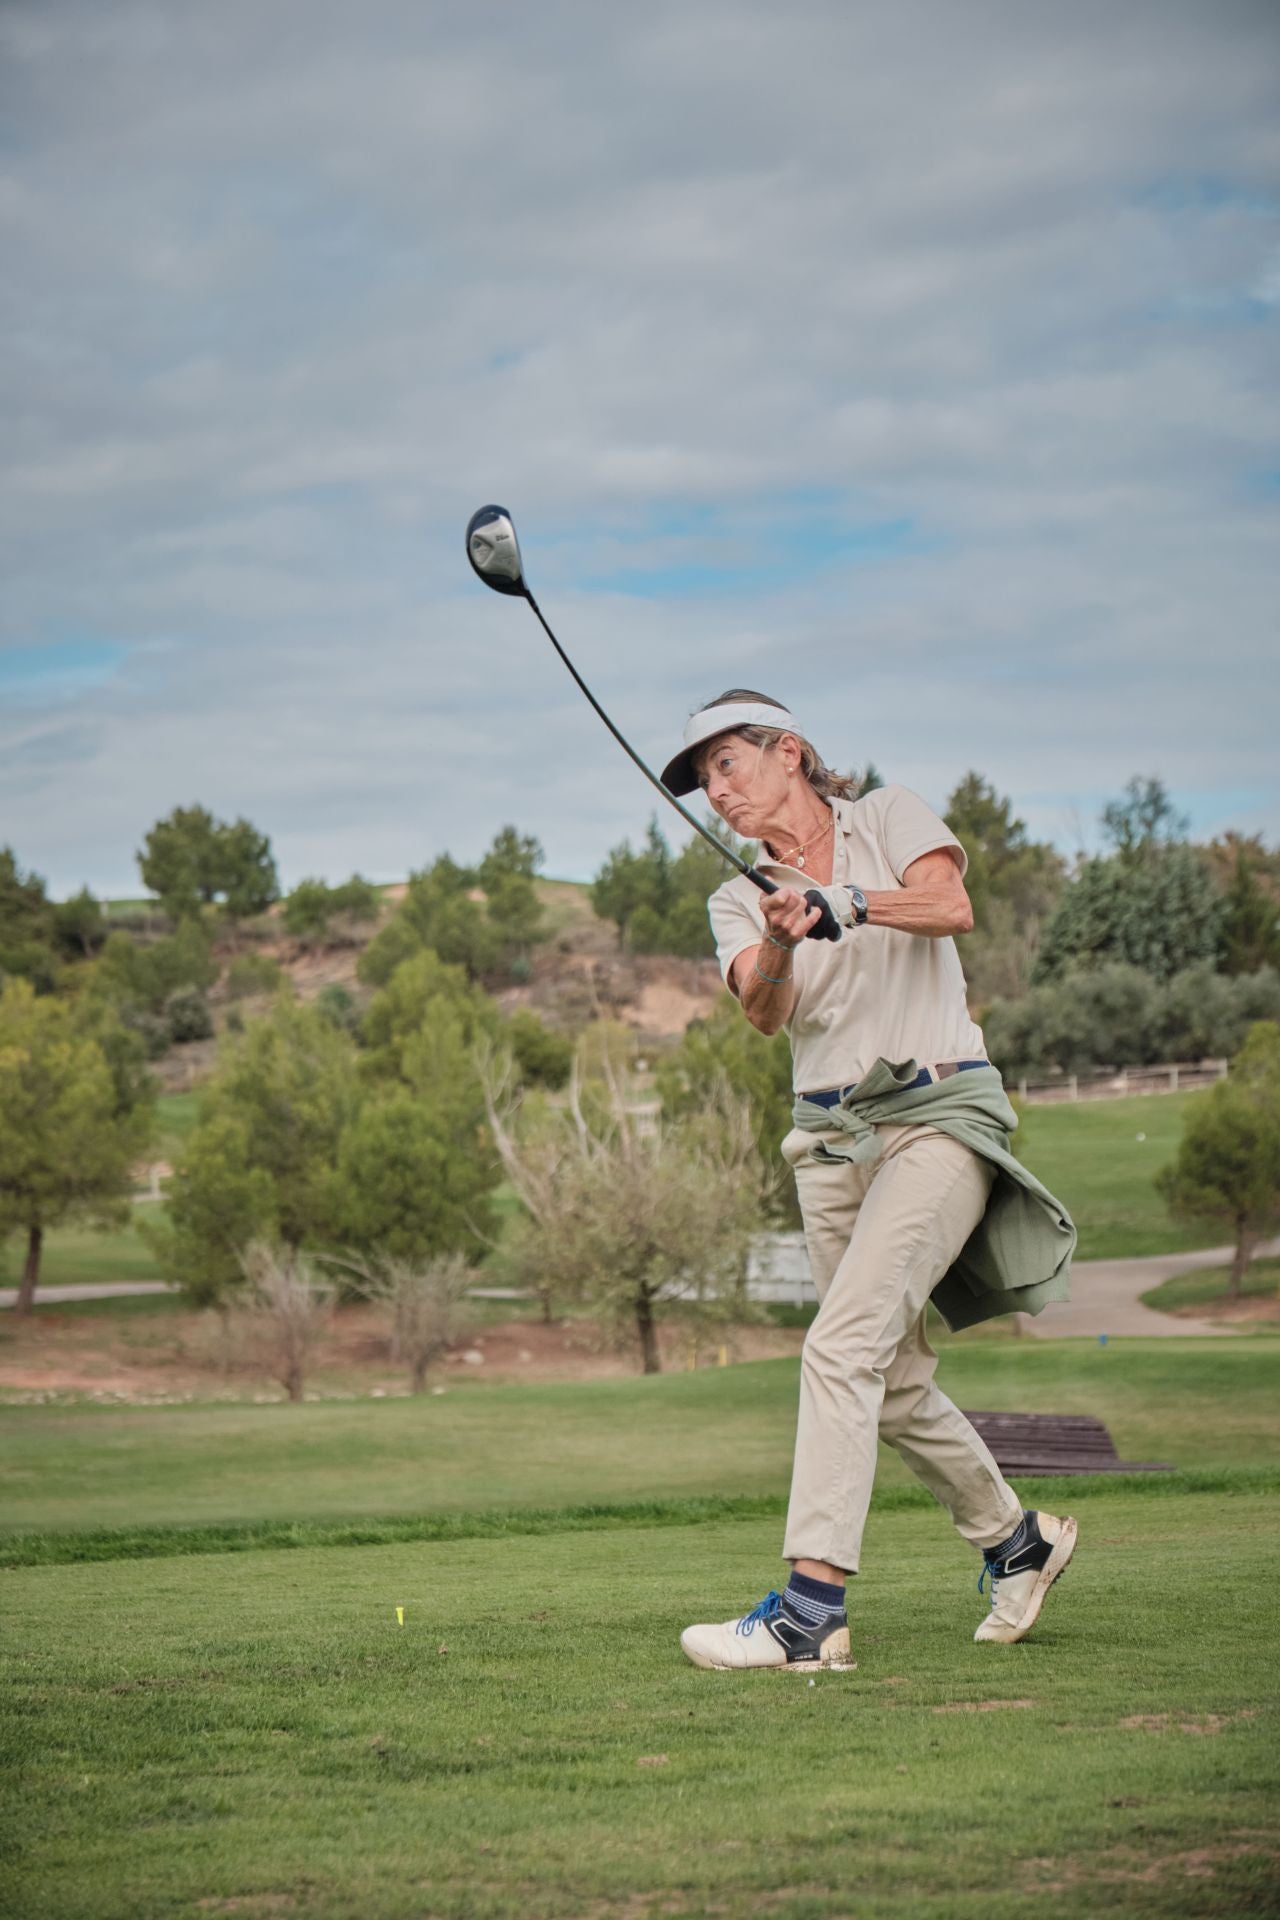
(859, 901)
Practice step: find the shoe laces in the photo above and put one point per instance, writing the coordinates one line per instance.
(768, 1609)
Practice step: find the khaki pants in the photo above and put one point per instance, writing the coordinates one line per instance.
(880, 1237)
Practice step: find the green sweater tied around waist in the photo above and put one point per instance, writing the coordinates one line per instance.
(1018, 1257)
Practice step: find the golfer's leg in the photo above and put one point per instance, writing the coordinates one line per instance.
(830, 1193)
(942, 1448)
(925, 1196)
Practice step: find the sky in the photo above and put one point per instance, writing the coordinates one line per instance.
(912, 361)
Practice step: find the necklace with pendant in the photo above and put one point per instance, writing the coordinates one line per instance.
(795, 856)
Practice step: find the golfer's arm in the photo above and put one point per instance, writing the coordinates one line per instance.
(931, 900)
(766, 1003)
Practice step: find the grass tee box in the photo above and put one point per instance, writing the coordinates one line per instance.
(257, 1736)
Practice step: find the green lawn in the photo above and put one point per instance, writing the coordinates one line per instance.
(79, 1255)
(1090, 1154)
(175, 1117)
(1193, 1289)
(255, 1735)
(718, 1433)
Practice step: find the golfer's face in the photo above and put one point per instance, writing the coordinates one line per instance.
(739, 780)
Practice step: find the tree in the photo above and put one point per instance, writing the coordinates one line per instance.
(417, 1169)
(1227, 1167)
(259, 1164)
(632, 1220)
(191, 861)
(1249, 931)
(725, 1047)
(1005, 865)
(80, 926)
(426, 1300)
(159, 989)
(1092, 1016)
(27, 926)
(71, 1127)
(1157, 912)
(1143, 819)
(416, 1173)
(659, 903)
(312, 908)
(1150, 903)
(285, 1307)
(483, 919)
(543, 1056)
(1012, 882)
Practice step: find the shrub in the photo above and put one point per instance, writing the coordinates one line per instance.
(252, 973)
(187, 1016)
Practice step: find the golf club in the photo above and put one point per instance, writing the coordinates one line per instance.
(494, 553)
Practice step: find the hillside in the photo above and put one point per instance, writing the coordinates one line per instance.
(579, 973)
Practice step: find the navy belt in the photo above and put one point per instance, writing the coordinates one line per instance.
(832, 1096)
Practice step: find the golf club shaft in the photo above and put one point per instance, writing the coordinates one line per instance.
(757, 879)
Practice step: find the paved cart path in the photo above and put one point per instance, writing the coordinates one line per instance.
(1106, 1294)
(1106, 1297)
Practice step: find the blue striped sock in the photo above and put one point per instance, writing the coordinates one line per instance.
(1018, 1538)
(814, 1601)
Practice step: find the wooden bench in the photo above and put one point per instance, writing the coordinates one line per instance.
(1055, 1443)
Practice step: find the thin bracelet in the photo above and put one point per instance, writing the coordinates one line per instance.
(786, 947)
(775, 980)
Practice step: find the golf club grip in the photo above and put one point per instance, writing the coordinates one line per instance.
(826, 928)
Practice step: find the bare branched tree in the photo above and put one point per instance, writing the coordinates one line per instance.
(426, 1299)
(285, 1310)
(633, 1214)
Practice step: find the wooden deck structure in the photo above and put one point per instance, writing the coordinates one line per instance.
(1055, 1443)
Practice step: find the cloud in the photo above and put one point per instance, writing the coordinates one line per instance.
(708, 297)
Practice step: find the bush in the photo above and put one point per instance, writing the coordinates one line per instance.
(1117, 1016)
(543, 1057)
(252, 973)
(338, 1007)
(188, 1017)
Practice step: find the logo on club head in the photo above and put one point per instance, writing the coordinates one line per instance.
(494, 551)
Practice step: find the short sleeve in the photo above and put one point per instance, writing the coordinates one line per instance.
(735, 925)
(908, 829)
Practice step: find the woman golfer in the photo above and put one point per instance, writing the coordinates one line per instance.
(902, 1165)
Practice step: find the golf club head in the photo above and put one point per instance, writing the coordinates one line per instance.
(494, 551)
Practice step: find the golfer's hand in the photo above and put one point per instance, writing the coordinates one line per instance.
(788, 916)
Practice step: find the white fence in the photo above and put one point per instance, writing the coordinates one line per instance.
(1114, 1083)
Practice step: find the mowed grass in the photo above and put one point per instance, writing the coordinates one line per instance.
(722, 1433)
(1090, 1155)
(257, 1736)
(79, 1255)
(1261, 1282)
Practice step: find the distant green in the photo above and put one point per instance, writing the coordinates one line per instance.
(1089, 1153)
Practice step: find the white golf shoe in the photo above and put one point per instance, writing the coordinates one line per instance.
(769, 1636)
(1020, 1579)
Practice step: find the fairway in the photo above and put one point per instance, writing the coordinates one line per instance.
(1101, 1157)
(255, 1734)
(717, 1433)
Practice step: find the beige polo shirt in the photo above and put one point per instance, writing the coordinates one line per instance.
(875, 993)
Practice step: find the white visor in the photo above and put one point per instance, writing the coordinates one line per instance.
(679, 777)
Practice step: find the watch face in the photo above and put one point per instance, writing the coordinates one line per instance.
(859, 899)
